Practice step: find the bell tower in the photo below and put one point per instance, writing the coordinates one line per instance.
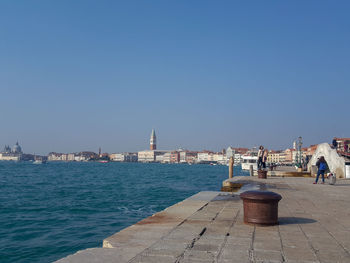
(153, 141)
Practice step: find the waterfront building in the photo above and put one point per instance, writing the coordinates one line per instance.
(309, 151)
(71, 157)
(148, 156)
(117, 157)
(219, 158)
(123, 157)
(175, 157)
(80, 158)
(188, 157)
(236, 153)
(52, 156)
(160, 158)
(191, 157)
(183, 156)
(242, 151)
(289, 155)
(205, 157)
(282, 156)
(11, 154)
(166, 157)
(343, 146)
(131, 157)
(64, 157)
(153, 141)
(230, 152)
(275, 157)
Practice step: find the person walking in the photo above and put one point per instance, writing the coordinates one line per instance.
(260, 156)
(322, 167)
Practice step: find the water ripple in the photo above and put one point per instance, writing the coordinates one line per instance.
(50, 211)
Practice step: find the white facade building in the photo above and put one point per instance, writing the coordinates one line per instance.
(14, 154)
(203, 157)
(117, 157)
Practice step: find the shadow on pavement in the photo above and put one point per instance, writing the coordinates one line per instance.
(295, 220)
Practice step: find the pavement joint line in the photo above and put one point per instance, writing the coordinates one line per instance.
(282, 247)
(189, 248)
(326, 229)
(226, 236)
(172, 230)
(251, 250)
(314, 250)
(344, 248)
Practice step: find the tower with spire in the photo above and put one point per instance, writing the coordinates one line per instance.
(153, 141)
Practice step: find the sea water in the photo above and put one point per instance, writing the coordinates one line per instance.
(48, 211)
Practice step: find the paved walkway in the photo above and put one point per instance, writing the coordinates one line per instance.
(314, 226)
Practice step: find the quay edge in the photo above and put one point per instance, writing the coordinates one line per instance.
(314, 226)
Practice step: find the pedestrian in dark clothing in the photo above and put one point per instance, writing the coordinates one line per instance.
(322, 167)
(334, 143)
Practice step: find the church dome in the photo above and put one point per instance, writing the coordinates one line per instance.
(16, 148)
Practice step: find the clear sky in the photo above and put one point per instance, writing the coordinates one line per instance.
(76, 75)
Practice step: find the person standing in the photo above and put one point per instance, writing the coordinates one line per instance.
(322, 167)
(264, 158)
(335, 143)
(260, 156)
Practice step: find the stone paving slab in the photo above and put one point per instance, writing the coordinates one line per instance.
(314, 226)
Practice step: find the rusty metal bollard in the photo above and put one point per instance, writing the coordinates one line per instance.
(262, 174)
(260, 207)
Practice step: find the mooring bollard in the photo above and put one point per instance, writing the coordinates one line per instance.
(251, 171)
(230, 169)
(262, 174)
(260, 207)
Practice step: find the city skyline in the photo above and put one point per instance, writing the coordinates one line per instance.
(80, 75)
(152, 146)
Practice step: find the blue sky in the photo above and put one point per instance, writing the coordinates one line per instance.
(76, 75)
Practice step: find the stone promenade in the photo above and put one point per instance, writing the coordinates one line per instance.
(314, 226)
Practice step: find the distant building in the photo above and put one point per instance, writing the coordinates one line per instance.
(123, 157)
(52, 156)
(343, 146)
(160, 158)
(153, 141)
(188, 157)
(230, 152)
(14, 154)
(205, 157)
(175, 157)
(148, 156)
(71, 157)
(117, 157)
(290, 155)
(218, 158)
(276, 157)
(166, 157)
